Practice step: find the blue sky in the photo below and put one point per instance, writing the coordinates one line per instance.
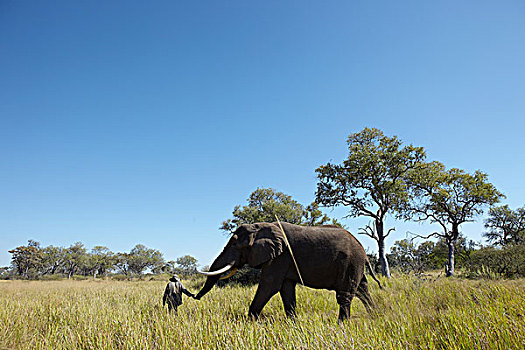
(130, 122)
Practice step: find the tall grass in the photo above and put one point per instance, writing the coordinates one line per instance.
(413, 314)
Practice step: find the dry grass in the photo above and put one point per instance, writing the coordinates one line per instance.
(414, 314)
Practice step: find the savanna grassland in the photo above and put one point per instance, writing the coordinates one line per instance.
(413, 314)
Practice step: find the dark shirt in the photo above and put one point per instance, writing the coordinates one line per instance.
(173, 293)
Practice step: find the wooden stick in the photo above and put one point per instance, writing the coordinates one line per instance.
(290, 248)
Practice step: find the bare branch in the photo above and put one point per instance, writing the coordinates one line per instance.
(369, 231)
(388, 232)
(434, 234)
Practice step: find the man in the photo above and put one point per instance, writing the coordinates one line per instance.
(173, 294)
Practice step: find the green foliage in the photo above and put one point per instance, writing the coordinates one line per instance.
(408, 256)
(505, 226)
(449, 198)
(26, 259)
(6, 273)
(491, 262)
(75, 258)
(53, 258)
(49, 263)
(187, 265)
(141, 258)
(371, 181)
(101, 260)
(265, 203)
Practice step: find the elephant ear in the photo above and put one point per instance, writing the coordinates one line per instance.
(268, 244)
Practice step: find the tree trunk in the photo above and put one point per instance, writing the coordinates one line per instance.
(385, 269)
(450, 265)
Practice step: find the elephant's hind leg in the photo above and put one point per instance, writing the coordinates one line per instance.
(288, 296)
(364, 295)
(344, 299)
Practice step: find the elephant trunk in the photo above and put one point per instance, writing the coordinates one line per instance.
(223, 263)
(210, 282)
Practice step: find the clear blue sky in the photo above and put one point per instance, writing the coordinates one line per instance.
(126, 122)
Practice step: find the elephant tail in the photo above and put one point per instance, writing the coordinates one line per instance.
(371, 271)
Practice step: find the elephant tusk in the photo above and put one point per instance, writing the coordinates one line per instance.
(218, 272)
(229, 274)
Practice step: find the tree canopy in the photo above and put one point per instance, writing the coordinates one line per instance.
(505, 226)
(448, 198)
(265, 203)
(371, 180)
(33, 261)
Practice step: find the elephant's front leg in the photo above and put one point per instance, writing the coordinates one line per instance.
(264, 293)
(288, 296)
(272, 278)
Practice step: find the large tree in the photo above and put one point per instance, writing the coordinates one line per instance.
(27, 259)
(74, 258)
(265, 203)
(53, 259)
(448, 198)
(370, 182)
(505, 225)
(187, 265)
(141, 258)
(101, 260)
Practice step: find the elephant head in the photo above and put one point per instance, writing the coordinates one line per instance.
(252, 244)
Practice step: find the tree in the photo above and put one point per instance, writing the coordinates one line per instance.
(5, 272)
(370, 182)
(265, 203)
(187, 265)
(27, 258)
(122, 262)
(505, 225)
(491, 262)
(53, 258)
(75, 258)
(102, 260)
(449, 198)
(141, 258)
(409, 257)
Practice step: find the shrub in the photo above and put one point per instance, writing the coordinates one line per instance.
(490, 262)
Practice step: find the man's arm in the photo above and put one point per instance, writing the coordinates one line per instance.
(185, 291)
(165, 296)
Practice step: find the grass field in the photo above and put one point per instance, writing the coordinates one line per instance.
(413, 314)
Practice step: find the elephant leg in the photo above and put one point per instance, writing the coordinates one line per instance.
(344, 299)
(262, 296)
(288, 296)
(364, 295)
(272, 278)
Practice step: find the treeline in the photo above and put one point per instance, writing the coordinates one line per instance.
(474, 259)
(32, 261)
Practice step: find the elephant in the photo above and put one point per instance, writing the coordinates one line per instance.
(327, 257)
